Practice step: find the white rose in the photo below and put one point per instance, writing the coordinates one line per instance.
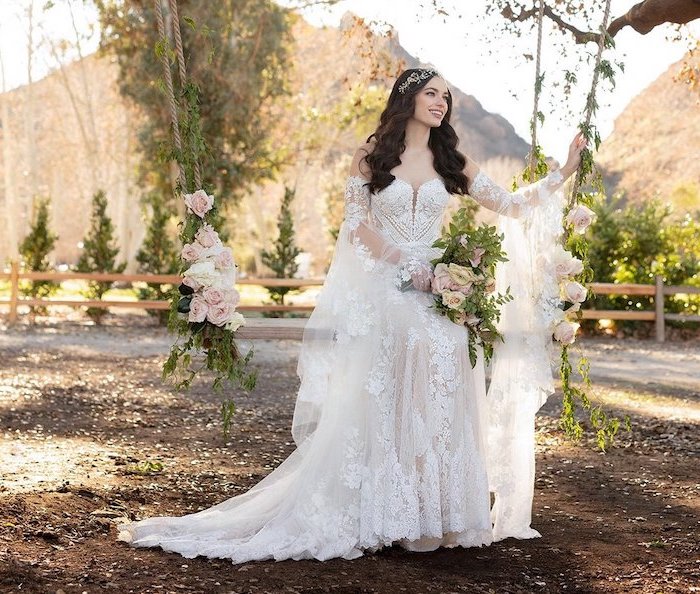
(580, 217)
(212, 252)
(574, 308)
(453, 299)
(565, 264)
(574, 292)
(226, 279)
(235, 321)
(462, 275)
(575, 266)
(565, 332)
(204, 274)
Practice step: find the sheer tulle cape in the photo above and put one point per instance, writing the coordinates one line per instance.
(521, 376)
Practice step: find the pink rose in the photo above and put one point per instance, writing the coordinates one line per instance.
(191, 252)
(453, 299)
(213, 295)
(199, 203)
(490, 285)
(233, 297)
(224, 259)
(574, 292)
(580, 217)
(220, 313)
(475, 259)
(464, 289)
(198, 309)
(192, 283)
(461, 318)
(565, 332)
(217, 295)
(441, 279)
(207, 236)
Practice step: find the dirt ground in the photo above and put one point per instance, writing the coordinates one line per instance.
(90, 435)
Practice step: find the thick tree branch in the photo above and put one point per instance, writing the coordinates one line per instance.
(642, 17)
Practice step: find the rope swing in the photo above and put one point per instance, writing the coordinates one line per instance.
(167, 75)
(538, 91)
(591, 102)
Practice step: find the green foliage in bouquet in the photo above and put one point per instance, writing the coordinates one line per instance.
(35, 249)
(99, 253)
(464, 275)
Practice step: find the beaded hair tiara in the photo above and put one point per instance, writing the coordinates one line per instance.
(416, 77)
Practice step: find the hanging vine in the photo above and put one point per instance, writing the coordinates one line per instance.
(203, 311)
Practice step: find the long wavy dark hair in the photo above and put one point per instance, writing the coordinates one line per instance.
(390, 138)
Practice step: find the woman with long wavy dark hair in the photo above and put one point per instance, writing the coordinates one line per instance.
(398, 441)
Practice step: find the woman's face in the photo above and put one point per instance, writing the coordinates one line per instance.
(431, 103)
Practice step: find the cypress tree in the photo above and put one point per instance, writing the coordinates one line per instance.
(99, 253)
(34, 250)
(158, 255)
(282, 258)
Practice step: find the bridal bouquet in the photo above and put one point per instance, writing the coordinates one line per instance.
(464, 285)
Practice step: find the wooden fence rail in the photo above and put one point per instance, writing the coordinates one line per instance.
(272, 328)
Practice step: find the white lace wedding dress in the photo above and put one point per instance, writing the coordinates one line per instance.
(397, 439)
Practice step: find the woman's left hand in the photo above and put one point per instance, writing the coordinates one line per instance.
(574, 160)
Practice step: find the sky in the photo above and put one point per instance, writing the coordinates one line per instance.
(461, 47)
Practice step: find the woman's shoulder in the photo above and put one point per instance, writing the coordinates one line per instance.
(359, 166)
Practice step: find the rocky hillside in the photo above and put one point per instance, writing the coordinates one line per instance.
(655, 146)
(85, 138)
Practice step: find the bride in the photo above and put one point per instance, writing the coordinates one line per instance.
(397, 439)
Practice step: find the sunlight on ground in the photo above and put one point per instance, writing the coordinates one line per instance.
(647, 404)
(45, 464)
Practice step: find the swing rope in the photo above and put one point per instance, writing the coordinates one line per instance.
(167, 75)
(182, 73)
(590, 103)
(538, 91)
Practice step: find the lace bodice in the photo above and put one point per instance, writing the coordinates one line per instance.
(406, 215)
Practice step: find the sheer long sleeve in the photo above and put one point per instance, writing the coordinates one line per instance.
(371, 245)
(516, 204)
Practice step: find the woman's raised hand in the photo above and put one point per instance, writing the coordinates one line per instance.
(574, 159)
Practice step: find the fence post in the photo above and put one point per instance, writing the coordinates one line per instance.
(14, 290)
(659, 306)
